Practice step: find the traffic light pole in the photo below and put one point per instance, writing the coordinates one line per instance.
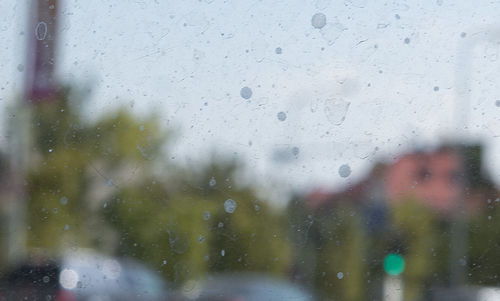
(393, 288)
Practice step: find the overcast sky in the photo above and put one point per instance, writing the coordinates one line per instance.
(377, 79)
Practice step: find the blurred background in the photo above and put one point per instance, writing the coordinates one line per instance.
(266, 150)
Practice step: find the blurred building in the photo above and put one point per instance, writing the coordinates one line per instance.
(353, 229)
(438, 178)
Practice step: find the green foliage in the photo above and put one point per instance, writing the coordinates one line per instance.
(342, 251)
(57, 181)
(107, 185)
(484, 245)
(186, 232)
(473, 155)
(119, 138)
(414, 226)
(338, 238)
(329, 250)
(96, 184)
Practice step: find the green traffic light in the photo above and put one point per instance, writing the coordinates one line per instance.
(394, 264)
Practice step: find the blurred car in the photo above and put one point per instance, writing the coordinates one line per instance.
(83, 276)
(30, 281)
(465, 293)
(245, 287)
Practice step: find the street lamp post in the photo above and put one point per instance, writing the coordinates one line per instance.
(458, 229)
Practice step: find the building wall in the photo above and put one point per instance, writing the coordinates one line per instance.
(432, 178)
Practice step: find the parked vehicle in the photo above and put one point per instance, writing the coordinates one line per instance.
(247, 287)
(466, 293)
(83, 276)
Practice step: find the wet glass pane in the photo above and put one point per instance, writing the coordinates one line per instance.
(249, 150)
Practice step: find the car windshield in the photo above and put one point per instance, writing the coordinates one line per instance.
(249, 150)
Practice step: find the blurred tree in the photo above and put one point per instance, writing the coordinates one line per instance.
(57, 181)
(336, 255)
(106, 185)
(4, 204)
(413, 235)
(75, 164)
(189, 232)
(484, 245)
(329, 249)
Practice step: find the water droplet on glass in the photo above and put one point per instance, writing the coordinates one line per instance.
(229, 205)
(109, 183)
(63, 200)
(41, 31)
(497, 102)
(206, 215)
(46, 279)
(436, 88)
(281, 116)
(20, 67)
(50, 150)
(201, 238)
(54, 210)
(295, 151)
(489, 217)
(141, 128)
(66, 227)
(336, 109)
(407, 40)
(212, 182)
(246, 92)
(340, 275)
(105, 205)
(344, 171)
(277, 50)
(164, 262)
(318, 20)
(439, 2)
(220, 225)
(463, 34)
(222, 252)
